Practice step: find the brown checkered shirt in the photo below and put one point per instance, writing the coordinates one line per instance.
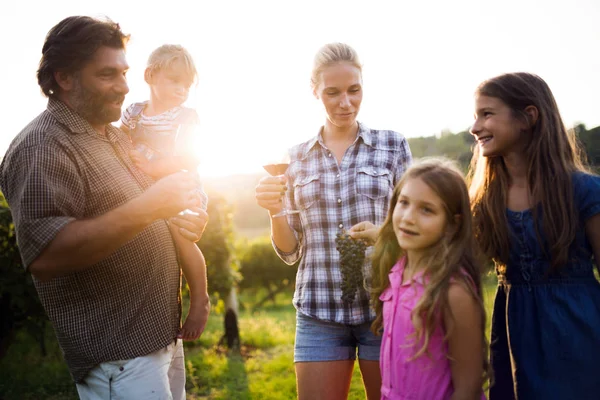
(57, 170)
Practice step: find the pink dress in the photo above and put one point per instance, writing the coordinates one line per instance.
(427, 377)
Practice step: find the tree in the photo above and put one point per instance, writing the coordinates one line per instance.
(221, 267)
(590, 140)
(456, 147)
(262, 268)
(20, 306)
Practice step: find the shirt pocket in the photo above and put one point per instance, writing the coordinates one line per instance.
(386, 295)
(373, 182)
(407, 301)
(387, 298)
(307, 191)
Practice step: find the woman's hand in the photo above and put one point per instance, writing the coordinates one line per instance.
(269, 193)
(366, 231)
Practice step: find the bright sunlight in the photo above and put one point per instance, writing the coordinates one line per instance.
(422, 62)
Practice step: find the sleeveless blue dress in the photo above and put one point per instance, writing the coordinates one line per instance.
(545, 341)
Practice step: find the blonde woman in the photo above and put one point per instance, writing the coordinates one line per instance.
(339, 179)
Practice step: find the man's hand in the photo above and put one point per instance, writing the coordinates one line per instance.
(191, 226)
(170, 195)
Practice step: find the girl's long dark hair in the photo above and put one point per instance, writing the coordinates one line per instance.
(553, 155)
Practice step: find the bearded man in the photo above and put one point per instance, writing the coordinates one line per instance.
(92, 229)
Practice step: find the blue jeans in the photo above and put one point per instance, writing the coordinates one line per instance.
(318, 340)
(159, 375)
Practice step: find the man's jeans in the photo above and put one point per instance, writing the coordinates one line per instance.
(160, 376)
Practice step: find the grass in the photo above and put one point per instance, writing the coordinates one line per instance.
(26, 375)
(263, 369)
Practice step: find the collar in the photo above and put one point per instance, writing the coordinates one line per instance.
(397, 272)
(363, 132)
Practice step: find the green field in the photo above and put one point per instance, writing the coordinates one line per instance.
(263, 369)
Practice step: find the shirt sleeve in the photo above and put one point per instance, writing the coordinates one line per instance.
(290, 258)
(293, 256)
(45, 192)
(126, 117)
(403, 161)
(587, 195)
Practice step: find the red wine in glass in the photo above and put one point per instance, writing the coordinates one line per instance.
(276, 170)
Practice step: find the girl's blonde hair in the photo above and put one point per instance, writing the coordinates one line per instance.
(446, 261)
(553, 154)
(172, 56)
(330, 54)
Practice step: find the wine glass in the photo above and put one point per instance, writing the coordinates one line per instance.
(277, 169)
(185, 143)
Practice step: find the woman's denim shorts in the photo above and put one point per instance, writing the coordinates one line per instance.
(318, 340)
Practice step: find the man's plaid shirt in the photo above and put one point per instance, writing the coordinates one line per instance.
(58, 170)
(332, 198)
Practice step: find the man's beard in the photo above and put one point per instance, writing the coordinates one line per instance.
(92, 106)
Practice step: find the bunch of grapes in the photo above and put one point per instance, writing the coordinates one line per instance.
(352, 258)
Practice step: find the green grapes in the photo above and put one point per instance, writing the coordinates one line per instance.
(352, 258)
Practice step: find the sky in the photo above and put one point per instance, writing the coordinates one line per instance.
(422, 61)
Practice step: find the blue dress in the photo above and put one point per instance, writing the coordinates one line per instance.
(545, 340)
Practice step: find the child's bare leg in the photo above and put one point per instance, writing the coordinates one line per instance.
(195, 322)
(194, 269)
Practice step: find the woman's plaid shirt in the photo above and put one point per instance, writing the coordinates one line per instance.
(332, 198)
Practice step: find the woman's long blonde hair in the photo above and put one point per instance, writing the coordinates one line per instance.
(330, 54)
(553, 155)
(445, 262)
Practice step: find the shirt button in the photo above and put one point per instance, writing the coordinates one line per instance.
(341, 226)
(337, 176)
(339, 200)
(329, 155)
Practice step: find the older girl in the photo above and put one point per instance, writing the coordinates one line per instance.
(537, 215)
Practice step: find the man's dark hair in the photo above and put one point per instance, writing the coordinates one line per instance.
(71, 43)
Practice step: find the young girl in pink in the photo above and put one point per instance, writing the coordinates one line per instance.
(426, 289)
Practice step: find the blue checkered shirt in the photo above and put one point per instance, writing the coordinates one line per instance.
(332, 198)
